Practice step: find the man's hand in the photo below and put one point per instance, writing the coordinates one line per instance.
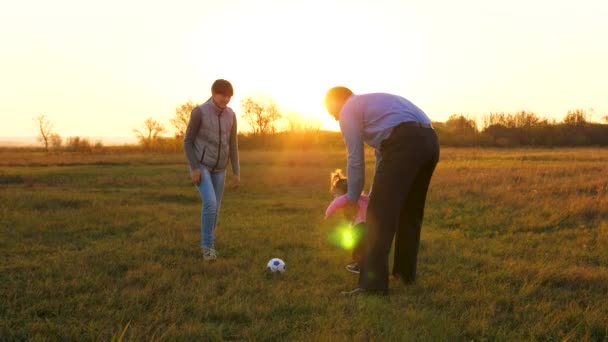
(197, 176)
(235, 182)
(350, 211)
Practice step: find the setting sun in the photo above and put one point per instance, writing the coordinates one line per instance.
(99, 69)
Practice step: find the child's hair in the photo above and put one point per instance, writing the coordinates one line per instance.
(338, 182)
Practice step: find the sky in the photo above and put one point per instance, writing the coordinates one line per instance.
(99, 68)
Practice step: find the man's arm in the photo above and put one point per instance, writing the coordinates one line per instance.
(351, 125)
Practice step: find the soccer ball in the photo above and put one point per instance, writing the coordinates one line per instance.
(276, 265)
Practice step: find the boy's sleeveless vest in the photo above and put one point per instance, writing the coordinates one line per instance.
(212, 143)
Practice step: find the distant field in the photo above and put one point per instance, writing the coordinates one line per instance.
(93, 246)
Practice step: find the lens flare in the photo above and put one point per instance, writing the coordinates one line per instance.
(344, 236)
(348, 239)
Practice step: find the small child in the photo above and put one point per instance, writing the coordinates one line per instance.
(339, 188)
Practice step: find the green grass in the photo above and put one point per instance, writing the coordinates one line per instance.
(513, 248)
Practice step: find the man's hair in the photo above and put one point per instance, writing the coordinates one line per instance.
(340, 94)
(222, 87)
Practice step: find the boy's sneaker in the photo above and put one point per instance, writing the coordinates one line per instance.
(209, 254)
(353, 268)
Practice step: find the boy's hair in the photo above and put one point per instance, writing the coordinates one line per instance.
(338, 182)
(222, 87)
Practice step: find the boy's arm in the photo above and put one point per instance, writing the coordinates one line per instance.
(194, 125)
(234, 149)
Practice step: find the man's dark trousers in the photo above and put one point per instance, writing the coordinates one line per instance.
(396, 205)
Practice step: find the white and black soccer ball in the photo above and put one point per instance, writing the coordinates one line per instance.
(276, 265)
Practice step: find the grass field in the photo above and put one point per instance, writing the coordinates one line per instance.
(95, 247)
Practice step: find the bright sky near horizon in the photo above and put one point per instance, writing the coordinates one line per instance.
(99, 68)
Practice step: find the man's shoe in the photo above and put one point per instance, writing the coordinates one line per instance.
(353, 268)
(398, 277)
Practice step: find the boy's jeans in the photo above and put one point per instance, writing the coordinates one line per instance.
(210, 189)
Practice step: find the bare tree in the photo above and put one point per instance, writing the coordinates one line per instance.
(45, 129)
(576, 117)
(181, 118)
(56, 141)
(150, 132)
(78, 144)
(605, 118)
(461, 124)
(261, 117)
(521, 119)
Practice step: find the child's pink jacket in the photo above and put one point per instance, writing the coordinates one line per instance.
(341, 201)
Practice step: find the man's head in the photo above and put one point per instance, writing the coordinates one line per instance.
(221, 92)
(335, 99)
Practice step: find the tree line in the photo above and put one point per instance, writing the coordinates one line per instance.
(523, 128)
(496, 129)
(262, 116)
